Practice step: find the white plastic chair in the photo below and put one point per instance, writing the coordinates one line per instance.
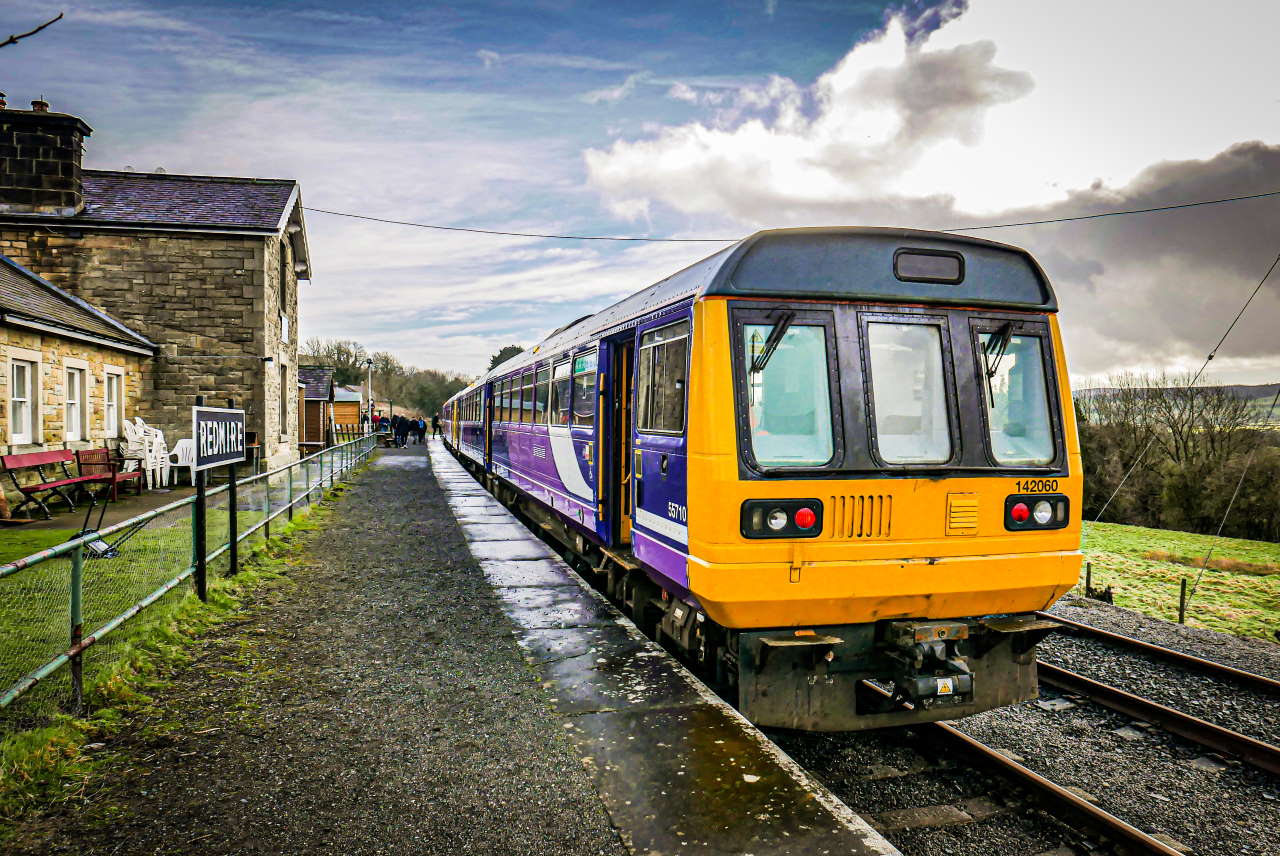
(156, 454)
(184, 455)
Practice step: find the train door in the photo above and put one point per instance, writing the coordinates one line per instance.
(617, 443)
(660, 531)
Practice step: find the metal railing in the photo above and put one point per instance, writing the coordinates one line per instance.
(107, 580)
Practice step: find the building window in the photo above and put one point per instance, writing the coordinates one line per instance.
(74, 403)
(22, 376)
(114, 382)
(282, 301)
(284, 399)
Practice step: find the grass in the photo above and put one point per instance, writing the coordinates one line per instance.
(1237, 594)
(47, 765)
(20, 543)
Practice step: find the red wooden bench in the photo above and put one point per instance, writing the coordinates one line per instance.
(62, 487)
(100, 464)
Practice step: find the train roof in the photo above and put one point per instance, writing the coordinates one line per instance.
(835, 262)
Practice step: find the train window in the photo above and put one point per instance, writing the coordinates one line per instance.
(664, 369)
(584, 389)
(928, 266)
(1017, 400)
(526, 397)
(909, 393)
(540, 396)
(507, 408)
(788, 394)
(561, 386)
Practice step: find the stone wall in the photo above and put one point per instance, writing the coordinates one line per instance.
(210, 301)
(53, 355)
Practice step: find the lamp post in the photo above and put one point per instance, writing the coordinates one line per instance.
(368, 364)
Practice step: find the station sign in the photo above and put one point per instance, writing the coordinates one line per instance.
(219, 436)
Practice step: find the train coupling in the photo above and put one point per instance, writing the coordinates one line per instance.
(928, 662)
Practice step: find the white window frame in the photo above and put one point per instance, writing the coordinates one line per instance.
(110, 427)
(32, 400)
(78, 369)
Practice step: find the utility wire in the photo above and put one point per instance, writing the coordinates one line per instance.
(1205, 365)
(731, 240)
(1235, 493)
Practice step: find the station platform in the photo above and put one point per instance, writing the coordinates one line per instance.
(677, 769)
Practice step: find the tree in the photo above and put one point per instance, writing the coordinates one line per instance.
(503, 355)
(344, 356)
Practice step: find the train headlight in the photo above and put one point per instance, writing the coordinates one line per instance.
(1043, 512)
(781, 518)
(1019, 513)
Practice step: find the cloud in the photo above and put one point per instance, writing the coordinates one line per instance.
(614, 94)
(915, 126)
(844, 137)
(489, 58)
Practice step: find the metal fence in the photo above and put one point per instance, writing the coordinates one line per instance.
(123, 584)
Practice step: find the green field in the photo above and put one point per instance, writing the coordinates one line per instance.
(1246, 604)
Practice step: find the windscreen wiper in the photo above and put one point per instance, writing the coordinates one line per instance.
(993, 354)
(771, 344)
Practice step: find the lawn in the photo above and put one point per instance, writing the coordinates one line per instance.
(1246, 604)
(20, 543)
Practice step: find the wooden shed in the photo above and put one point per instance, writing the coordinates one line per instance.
(346, 406)
(317, 400)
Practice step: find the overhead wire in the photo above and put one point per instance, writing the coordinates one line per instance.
(642, 239)
(1138, 460)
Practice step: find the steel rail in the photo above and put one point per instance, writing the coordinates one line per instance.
(1190, 661)
(1255, 752)
(1058, 800)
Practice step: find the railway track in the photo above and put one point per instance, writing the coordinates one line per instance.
(1251, 680)
(1076, 818)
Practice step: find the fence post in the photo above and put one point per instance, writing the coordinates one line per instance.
(77, 627)
(1182, 601)
(266, 507)
(233, 523)
(292, 469)
(198, 519)
(329, 453)
(1088, 579)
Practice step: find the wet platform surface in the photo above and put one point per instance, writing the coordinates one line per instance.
(678, 770)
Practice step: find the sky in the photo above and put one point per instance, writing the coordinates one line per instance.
(709, 119)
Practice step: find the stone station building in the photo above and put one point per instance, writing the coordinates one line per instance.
(205, 267)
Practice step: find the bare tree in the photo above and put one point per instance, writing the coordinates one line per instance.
(17, 37)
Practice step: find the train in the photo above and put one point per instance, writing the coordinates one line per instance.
(835, 469)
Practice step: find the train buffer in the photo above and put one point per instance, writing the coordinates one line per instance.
(677, 769)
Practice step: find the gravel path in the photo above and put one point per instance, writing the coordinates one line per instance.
(1252, 655)
(379, 706)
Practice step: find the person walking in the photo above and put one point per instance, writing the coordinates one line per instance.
(422, 431)
(402, 431)
(435, 424)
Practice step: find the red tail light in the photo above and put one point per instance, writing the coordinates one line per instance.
(805, 518)
(1020, 513)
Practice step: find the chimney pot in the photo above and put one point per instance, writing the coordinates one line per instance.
(45, 178)
(40, 105)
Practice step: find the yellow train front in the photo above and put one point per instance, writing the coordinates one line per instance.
(883, 475)
(837, 468)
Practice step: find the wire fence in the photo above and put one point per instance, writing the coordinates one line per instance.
(72, 615)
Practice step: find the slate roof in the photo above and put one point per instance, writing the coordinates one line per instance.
(27, 297)
(185, 200)
(318, 380)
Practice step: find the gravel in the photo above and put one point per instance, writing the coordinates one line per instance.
(1153, 780)
(1222, 702)
(377, 706)
(1252, 655)
(884, 771)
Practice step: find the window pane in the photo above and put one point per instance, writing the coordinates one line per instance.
(663, 369)
(790, 400)
(526, 398)
(560, 395)
(540, 396)
(1018, 406)
(20, 378)
(909, 393)
(584, 389)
